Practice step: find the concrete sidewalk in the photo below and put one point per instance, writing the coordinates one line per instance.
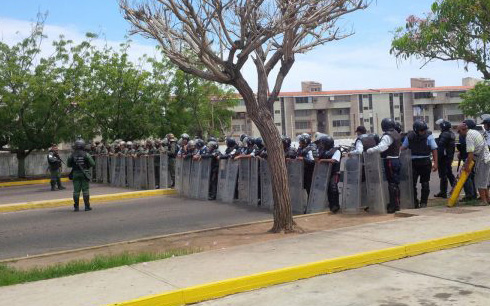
(130, 282)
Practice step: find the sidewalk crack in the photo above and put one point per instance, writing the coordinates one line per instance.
(434, 276)
(154, 276)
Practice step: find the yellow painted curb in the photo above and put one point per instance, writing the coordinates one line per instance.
(93, 199)
(30, 182)
(218, 289)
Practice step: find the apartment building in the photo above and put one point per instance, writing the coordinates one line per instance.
(338, 113)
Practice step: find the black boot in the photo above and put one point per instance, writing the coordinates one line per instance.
(53, 186)
(443, 188)
(75, 205)
(86, 200)
(58, 182)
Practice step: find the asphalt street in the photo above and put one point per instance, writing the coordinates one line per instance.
(459, 276)
(47, 230)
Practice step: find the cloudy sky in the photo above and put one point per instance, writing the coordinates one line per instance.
(361, 61)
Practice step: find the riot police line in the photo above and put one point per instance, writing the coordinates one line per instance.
(143, 172)
(247, 181)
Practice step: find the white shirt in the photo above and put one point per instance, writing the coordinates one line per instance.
(359, 147)
(476, 144)
(336, 156)
(383, 145)
(487, 137)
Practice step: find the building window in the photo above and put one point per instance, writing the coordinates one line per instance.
(302, 125)
(337, 123)
(396, 106)
(302, 113)
(365, 96)
(341, 111)
(366, 108)
(278, 124)
(241, 102)
(341, 133)
(397, 118)
(366, 120)
(423, 118)
(454, 94)
(422, 95)
(340, 98)
(277, 111)
(455, 118)
(236, 128)
(302, 100)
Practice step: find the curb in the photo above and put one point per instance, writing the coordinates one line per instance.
(210, 229)
(223, 288)
(30, 182)
(93, 199)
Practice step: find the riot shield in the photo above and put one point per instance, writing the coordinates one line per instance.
(244, 180)
(351, 192)
(222, 176)
(130, 172)
(231, 181)
(295, 179)
(376, 193)
(144, 172)
(406, 180)
(117, 177)
(254, 182)
(179, 163)
(137, 172)
(318, 194)
(112, 166)
(194, 179)
(150, 162)
(186, 172)
(156, 170)
(164, 174)
(98, 171)
(105, 169)
(122, 173)
(204, 178)
(267, 200)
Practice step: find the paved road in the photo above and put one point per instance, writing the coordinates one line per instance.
(27, 193)
(458, 276)
(47, 230)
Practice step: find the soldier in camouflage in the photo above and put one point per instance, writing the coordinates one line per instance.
(54, 164)
(80, 162)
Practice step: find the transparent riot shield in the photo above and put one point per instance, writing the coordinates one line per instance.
(231, 181)
(122, 172)
(156, 170)
(150, 161)
(105, 169)
(244, 180)
(179, 164)
(254, 182)
(186, 172)
(130, 172)
(144, 172)
(137, 172)
(204, 178)
(222, 179)
(406, 180)
(267, 200)
(164, 174)
(98, 169)
(351, 192)
(194, 179)
(376, 194)
(112, 167)
(117, 176)
(317, 200)
(296, 192)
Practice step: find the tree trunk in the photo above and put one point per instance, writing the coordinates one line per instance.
(262, 116)
(21, 164)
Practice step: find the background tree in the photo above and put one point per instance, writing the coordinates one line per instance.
(214, 39)
(454, 30)
(36, 93)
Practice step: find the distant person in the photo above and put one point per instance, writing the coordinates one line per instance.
(80, 162)
(422, 145)
(478, 152)
(327, 153)
(55, 165)
(308, 153)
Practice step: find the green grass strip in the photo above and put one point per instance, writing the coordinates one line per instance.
(11, 276)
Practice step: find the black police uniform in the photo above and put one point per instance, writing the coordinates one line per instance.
(392, 168)
(445, 154)
(333, 185)
(309, 165)
(421, 167)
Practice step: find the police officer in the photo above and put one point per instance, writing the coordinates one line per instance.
(231, 149)
(421, 144)
(329, 154)
(261, 150)
(446, 145)
(389, 146)
(213, 153)
(248, 147)
(184, 139)
(54, 164)
(289, 151)
(190, 150)
(172, 151)
(308, 153)
(81, 162)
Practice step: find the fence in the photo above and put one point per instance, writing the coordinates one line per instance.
(36, 164)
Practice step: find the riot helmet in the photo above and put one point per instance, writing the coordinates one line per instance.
(325, 142)
(79, 144)
(192, 144)
(230, 142)
(398, 127)
(185, 137)
(445, 125)
(243, 137)
(248, 141)
(212, 145)
(259, 142)
(304, 139)
(212, 138)
(387, 124)
(199, 143)
(419, 126)
(470, 123)
(286, 141)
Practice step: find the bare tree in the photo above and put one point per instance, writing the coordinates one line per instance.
(214, 39)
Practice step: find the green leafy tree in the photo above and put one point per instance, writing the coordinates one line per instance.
(36, 92)
(476, 101)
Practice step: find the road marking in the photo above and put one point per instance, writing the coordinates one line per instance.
(226, 287)
(93, 199)
(30, 182)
